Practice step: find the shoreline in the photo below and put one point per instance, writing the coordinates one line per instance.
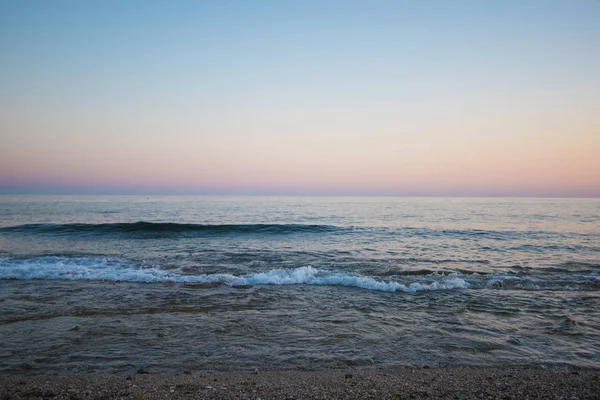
(458, 382)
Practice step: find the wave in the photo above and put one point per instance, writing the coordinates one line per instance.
(154, 229)
(103, 269)
(144, 229)
(100, 269)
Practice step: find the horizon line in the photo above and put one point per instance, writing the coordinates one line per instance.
(457, 196)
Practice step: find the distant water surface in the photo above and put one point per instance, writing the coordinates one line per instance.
(113, 284)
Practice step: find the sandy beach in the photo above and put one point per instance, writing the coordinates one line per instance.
(398, 383)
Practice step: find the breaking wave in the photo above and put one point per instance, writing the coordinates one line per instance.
(97, 269)
(103, 269)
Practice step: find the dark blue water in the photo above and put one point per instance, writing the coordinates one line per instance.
(228, 283)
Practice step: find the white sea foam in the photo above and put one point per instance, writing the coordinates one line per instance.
(99, 269)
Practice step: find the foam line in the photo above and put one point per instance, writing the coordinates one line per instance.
(98, 269)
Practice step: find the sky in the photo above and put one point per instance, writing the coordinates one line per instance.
(400, 98)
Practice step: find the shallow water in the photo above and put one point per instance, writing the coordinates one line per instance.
(228, 283)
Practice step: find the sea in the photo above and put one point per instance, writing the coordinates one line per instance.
(119, 284)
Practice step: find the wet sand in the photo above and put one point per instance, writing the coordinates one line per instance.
(398, 383)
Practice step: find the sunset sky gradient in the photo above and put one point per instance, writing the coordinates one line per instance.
(409, 98)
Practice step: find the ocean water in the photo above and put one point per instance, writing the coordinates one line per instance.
(112, 284)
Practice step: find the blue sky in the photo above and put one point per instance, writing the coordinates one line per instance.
(314, 97)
